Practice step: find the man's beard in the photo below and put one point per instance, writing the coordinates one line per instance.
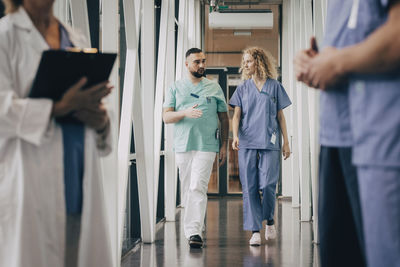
(198, 74)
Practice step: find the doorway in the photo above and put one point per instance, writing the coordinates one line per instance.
(224, 180)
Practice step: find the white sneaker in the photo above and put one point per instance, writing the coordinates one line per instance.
(270, 232)
(255, 239)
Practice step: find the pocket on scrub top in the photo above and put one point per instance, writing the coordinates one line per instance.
(272, 105)
(212, 136)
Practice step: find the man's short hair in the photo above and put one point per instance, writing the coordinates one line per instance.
(193, 50)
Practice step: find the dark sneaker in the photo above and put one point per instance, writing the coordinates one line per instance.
(195, 241)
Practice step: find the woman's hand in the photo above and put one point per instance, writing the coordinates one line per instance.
(285, 151)
(76, 99)
(235, 143)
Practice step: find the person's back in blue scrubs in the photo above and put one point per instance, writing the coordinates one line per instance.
(257, 126)
(339, 212)
(370, 62)
(375, 118)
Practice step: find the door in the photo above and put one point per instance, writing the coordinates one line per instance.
(224, 180)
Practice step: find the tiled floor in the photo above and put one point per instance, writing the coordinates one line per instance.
(226, 244)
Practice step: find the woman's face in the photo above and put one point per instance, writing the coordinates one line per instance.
(249, 65)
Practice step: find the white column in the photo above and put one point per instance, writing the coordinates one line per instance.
(109, 43)
(80, 19)
(286, 82)
(197, 10)
(170, 168)
(160, 85)
(305, 172)
(148, 89)
(60, 9)
(295, 20)
(180, 50)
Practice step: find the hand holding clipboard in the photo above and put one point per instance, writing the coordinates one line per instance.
(75, 81)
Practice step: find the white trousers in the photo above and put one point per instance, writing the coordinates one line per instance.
(194, 172)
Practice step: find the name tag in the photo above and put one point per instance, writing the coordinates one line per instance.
(194, 95)
(273, 138)
(352, 23)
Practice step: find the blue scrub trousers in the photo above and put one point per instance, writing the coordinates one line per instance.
(339, 212)
(380, 203)
(259, 170)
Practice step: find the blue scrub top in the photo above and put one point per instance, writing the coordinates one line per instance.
(375, 100)
(259, 111)
(335, 129)
(73, 142)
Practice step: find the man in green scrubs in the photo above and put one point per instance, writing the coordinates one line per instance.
(195, 104)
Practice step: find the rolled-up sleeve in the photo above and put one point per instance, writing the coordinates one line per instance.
(170, 100)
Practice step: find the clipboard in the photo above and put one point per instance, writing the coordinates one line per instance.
(59, 69)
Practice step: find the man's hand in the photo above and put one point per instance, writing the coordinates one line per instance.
(303, 59)
(323, 71)
(193, 112)
(222, 154)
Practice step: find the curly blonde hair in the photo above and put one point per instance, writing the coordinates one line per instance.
(265, 64)
(12, 5)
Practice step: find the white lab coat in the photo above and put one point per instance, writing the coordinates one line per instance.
(32, 202)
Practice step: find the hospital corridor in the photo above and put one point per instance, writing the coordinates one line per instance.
(185, 133)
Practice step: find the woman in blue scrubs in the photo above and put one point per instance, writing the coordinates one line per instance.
(257, 123)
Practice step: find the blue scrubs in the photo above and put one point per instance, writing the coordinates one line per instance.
(73, 141)
(259, 148)
(375, 117)
(339, 212)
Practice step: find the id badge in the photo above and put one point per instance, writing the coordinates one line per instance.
(217, 134)
(273, 138)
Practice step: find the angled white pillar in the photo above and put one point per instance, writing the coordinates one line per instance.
(160, 85)
(180, 50)
(60, 9)
(148, 93)
(287, 76)
(109, 43)
(305, 172)
(80, 19)
(295, 20)
(197, 8)
(170, 167)
(191, 34)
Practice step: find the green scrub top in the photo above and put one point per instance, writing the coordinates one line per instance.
(198, 134)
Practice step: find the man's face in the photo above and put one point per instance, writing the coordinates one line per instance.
(196, 64)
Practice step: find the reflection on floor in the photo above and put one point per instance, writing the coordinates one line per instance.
(227, 243)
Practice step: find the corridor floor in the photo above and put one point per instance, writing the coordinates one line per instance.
(226, 244)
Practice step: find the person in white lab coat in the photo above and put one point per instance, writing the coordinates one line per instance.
(33, 206)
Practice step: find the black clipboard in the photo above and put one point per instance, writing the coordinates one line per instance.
(59, 70)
